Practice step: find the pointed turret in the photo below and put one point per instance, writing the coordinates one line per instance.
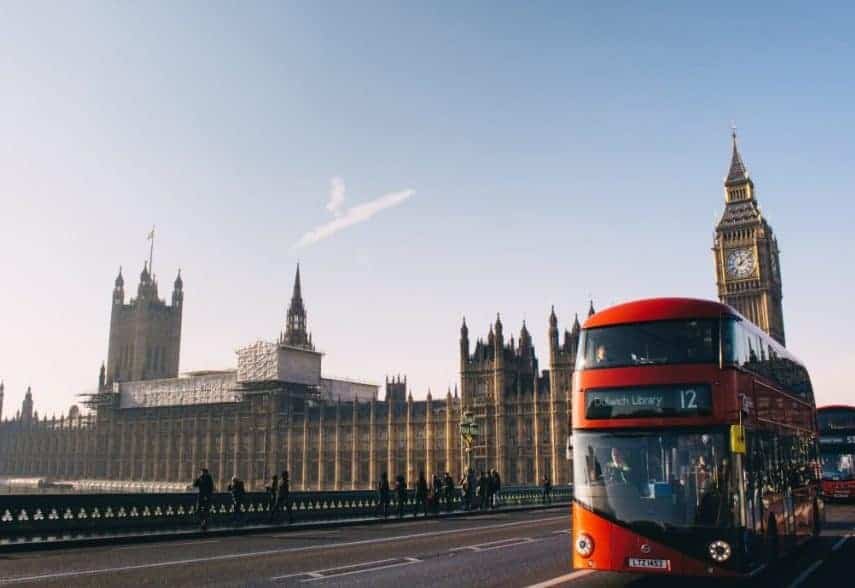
(102, 377)
(296, 334)
(27, 406)
(576, 325)
(178, 290)
(119, 288)
(738, 173)
(553, 318)
(464, 344)
(591, 310)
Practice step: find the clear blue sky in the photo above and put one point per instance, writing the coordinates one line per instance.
(554, 150)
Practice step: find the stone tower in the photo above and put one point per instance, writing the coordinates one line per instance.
(296, 333)
(27, 406)
(562, 360)
(748, 273)
(494, 379)
(145, 334)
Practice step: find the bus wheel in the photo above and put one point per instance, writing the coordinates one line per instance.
(772, 542)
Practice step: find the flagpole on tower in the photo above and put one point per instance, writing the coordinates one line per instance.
(151, 250)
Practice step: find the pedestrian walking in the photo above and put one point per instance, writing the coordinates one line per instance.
(495, 488)
(284, 498)
(272, 496)
(449, 492)
(238, 491)
(383, 496)
(547, 490)
(205, 484)
(421, 495)
(401, 494)
(437, 493)
(483, 491)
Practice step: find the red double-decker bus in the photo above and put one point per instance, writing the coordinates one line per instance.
(694, 442)
(837, 450)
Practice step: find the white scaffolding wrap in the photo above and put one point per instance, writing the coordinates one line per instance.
(192, 389)
(266, 362)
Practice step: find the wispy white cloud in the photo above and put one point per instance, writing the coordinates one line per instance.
(350, 216)
(336, 203)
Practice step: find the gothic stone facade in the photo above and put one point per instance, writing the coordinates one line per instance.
(254, 427)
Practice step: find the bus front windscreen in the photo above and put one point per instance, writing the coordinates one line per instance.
(838, 464)
(661, 478)
(652, 343)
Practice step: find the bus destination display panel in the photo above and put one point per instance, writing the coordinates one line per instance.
(681, 400)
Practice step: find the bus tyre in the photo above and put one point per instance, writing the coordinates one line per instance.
(772, 542)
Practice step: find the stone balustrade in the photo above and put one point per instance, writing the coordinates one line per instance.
(29, 516)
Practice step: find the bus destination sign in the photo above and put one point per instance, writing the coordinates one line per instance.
(649, 401)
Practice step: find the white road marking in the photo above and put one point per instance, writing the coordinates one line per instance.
(299, 534)
(150, 545)
(231, 556)
(320, 573)
(561, 532)
(408, 561)
(500, 544)
(561, 579)
(840, 542)
(804, 575)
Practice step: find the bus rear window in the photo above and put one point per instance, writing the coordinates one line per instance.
(652, 343)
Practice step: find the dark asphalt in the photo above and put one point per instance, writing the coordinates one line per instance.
(501, 549)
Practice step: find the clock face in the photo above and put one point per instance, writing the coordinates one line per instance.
(740, 263)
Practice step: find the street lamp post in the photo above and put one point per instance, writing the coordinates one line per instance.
(469, 431)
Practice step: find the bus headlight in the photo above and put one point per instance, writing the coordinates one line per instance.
(720, 551)
(584, 545)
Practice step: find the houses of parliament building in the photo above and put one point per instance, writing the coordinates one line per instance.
(149, 425)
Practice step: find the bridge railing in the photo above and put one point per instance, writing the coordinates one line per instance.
(49, 515)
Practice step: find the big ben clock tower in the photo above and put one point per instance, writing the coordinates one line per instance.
(748, 274)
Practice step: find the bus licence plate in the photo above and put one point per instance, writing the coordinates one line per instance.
(649, 564)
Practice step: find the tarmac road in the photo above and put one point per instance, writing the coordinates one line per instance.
(498, 549)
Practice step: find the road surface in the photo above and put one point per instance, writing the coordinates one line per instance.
(498, 549)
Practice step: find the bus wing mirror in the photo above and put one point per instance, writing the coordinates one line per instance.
(737, 439)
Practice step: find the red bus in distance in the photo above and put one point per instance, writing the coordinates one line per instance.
(837, 450)
(694, 443)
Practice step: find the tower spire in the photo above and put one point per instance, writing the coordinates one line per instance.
(296, 334)
(150, 237)
(297, 294)
(737, 172)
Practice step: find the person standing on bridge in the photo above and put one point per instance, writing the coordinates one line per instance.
(205, 484)
(421, 494)
(449, 492)
(238, 492)
(383, 496)
(436, 495)
(284, 498)
(495, 488)
(401, 494)
(272, 495)
(547, 490)
(471, 488)
(484, 491)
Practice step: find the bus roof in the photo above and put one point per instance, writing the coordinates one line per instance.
(658, 309)
(843, 407)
